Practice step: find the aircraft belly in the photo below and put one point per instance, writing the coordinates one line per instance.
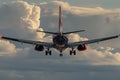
(60, 48)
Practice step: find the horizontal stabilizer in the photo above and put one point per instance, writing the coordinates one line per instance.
(64, 33)
(73, 32)
(55, 33)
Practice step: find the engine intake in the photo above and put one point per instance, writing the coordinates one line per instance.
(82, 47)
(39, 48)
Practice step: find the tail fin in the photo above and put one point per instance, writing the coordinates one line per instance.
(60, 20)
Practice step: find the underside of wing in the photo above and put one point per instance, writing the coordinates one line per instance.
(46, 44)
(91, 41)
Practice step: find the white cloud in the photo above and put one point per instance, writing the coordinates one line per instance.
(7, 48)
(21, 19)
(81, 11)
(100, 57)
(76, 38)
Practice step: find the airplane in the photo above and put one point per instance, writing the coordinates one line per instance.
(60, 40)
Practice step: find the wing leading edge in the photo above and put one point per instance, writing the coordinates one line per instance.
(92, 41)
(50, 45)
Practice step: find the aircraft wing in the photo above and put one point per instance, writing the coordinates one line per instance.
(50, 45)
(91, 41)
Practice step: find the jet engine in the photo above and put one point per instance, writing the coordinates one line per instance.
(82, 47)
(39, 48)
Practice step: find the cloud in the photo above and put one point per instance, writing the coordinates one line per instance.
(99, 57)
(97, 21)
(81, 11)
(7, 48)
(20, 19)
(76, 38)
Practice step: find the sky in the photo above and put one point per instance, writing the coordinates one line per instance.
(21, 18)
(85, 3)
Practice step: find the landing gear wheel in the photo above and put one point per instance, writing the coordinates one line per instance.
(48, 53)
(72, 52)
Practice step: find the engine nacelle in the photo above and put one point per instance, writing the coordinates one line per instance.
(39, 48)
(82, 47)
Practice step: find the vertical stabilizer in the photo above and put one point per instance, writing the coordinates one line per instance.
(60, 20)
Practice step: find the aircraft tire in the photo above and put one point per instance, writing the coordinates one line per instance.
(74, 52)
(50, 53)
(70, 52)
(46, 53)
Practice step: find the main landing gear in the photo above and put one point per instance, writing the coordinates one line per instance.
(72, 52)
(48, 52)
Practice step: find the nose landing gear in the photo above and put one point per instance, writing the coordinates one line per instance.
(61, 55)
